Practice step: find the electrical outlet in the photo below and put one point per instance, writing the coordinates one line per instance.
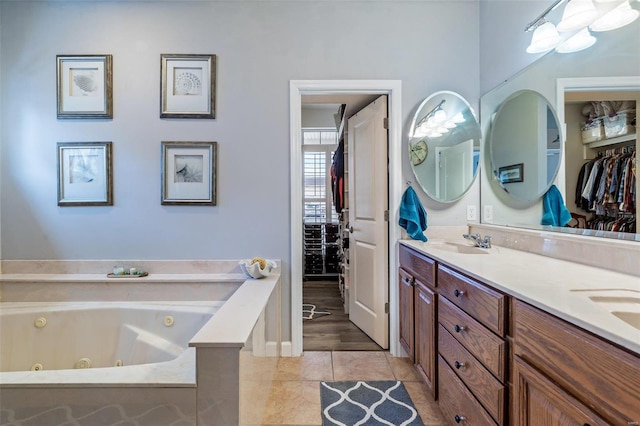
(488, 213)
(472, 212)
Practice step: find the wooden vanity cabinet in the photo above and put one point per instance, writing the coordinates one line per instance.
(406, 296)
(574, 376)
(541, 402)
(417, 299)
(473, 350)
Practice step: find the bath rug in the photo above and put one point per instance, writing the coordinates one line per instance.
(310, 311)
(367, 403)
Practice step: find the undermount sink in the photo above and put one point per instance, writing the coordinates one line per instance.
(631, 318)
(622, 303)
(458, 248)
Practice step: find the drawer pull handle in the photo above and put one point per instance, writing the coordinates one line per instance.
(459, 328)
(458, 293)
(458, 364)
(459, 418)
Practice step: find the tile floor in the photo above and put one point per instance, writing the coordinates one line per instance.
(286, 391)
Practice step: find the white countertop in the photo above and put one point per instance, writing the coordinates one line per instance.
(559, 287)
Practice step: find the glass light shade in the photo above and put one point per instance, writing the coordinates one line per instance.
(440, 116)
(617, 18)
(458, 118)
(577, 14)
(582, 40)
(544, 38)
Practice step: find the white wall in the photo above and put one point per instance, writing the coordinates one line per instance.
(260, 46)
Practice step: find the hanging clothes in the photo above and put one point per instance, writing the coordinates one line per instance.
(607, 187)
(337, 176)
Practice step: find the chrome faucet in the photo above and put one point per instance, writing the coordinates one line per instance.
(478, 240)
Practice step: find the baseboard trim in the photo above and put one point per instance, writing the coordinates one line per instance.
(286, 349)
(271, 349)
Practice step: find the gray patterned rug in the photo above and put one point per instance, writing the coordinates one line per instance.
(367, 403)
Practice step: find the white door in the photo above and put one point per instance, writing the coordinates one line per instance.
(368, 201)
(455, 170)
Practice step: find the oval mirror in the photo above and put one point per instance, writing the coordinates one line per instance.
(524, 146)
(444, 146)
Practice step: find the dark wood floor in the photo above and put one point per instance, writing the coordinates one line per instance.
(331, 332)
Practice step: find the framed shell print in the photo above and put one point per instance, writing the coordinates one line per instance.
(188, 86)
(85, 86)
(85, 174)
(189, 173)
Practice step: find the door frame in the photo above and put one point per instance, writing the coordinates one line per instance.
(298, 88)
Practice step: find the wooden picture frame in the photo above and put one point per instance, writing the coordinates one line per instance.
(85, 176)
(84, 86)
(511, 174)
(188, 86)
(188, 173)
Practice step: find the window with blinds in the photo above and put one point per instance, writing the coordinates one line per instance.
(318, 147)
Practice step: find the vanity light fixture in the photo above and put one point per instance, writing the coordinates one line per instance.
(437, 122)
(570, 35)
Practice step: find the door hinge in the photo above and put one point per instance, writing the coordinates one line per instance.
(386, 308)
(386, 215)
(385, 123)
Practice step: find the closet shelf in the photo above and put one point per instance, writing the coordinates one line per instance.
(612, 141)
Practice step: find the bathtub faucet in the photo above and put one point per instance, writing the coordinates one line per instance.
(482, 242)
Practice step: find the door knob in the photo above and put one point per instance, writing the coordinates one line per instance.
(351, 229)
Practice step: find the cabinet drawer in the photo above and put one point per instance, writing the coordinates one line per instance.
(457, 403)
(490, 349)
(418, 264)
(596, 372)
(484, 304)
(486, 388)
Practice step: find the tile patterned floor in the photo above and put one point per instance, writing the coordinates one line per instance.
(286, 391)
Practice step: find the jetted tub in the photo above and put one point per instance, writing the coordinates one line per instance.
(180, 353)
(80, 335)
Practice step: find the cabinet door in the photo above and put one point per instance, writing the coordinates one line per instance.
(539, 402)
(425, 335)
(405, 295)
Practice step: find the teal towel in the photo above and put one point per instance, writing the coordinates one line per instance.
(554, 212)
(413, 217)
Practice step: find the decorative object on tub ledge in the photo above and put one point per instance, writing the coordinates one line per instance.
(554, 212)
(310, 311)
(413, 217)
(257, 267)
(121, 271)
(377, 402)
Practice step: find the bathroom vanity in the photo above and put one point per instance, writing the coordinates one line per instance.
(508, 337)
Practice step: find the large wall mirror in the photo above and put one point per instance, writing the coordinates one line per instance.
(608, 71)
(524, 146)
(444, 146)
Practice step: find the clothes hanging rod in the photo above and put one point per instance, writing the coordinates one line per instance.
(536, 22)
